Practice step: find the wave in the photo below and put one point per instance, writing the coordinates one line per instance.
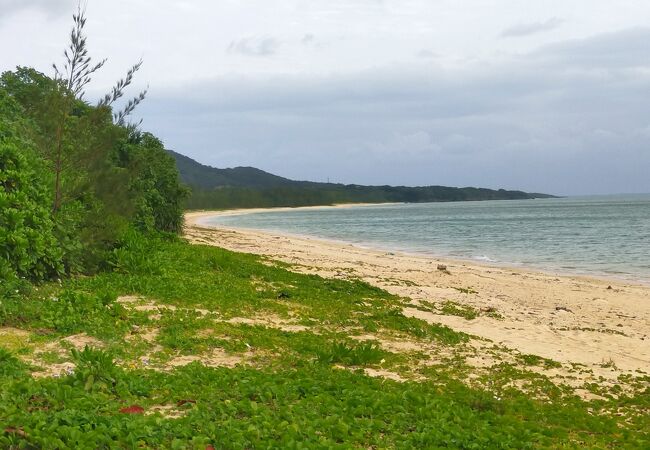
(484, 258)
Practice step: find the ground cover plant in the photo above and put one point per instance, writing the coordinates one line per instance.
(188, 346)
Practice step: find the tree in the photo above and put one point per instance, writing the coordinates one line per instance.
(71, 82)
(155, 184)
(104, 174)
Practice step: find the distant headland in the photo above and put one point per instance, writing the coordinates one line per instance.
(248, 187)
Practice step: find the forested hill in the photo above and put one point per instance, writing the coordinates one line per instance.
(197, 175)
(244, 187)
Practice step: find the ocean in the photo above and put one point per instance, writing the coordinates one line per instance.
(597, 236)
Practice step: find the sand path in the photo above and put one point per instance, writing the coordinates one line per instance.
(569, 319)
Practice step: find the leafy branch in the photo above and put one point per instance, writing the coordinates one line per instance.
(129, 107)
(72, 79)
(118, 91)
(78, 67)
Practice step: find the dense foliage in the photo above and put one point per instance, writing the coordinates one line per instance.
(247, 187)
(73, 181)
(155, 186)
(28, 246)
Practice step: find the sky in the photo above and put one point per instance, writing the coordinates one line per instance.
(548, 96)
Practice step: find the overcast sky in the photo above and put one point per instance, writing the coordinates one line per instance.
(548, 96)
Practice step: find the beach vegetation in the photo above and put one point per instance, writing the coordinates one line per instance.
(608, 364)
(75, 176)
(190, 352)
(456, 309)
(27, 235)
(534, 360)
(357, 355)
(467, 290)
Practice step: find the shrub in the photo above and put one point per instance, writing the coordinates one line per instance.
(155, 185)
(28, 247)
(359, 355)
(95, 370)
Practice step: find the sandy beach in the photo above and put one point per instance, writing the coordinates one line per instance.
(599, 323)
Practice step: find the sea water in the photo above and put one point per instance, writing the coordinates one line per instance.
(600, 236)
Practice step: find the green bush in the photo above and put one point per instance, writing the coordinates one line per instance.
(359, 355)
(155, 185)
(95, 370)
(136, 254)
(28, 247)
(110, 178)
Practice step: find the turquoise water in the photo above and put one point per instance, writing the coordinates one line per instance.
(602, 236)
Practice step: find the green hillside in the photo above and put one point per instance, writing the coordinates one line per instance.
(244, 187)
(206, 177)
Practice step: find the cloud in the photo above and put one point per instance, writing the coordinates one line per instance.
(51, 7)
(307, 39)
(264, 46)
(427, 54)
(534, 122)
(527, 29)
(620, 50)
(412, 145)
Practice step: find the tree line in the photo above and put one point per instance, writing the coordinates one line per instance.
(226, 197)
(248, 187)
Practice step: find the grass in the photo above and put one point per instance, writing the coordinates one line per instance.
(276, 365)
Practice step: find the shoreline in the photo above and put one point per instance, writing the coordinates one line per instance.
(567, 318)
(197, 218)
